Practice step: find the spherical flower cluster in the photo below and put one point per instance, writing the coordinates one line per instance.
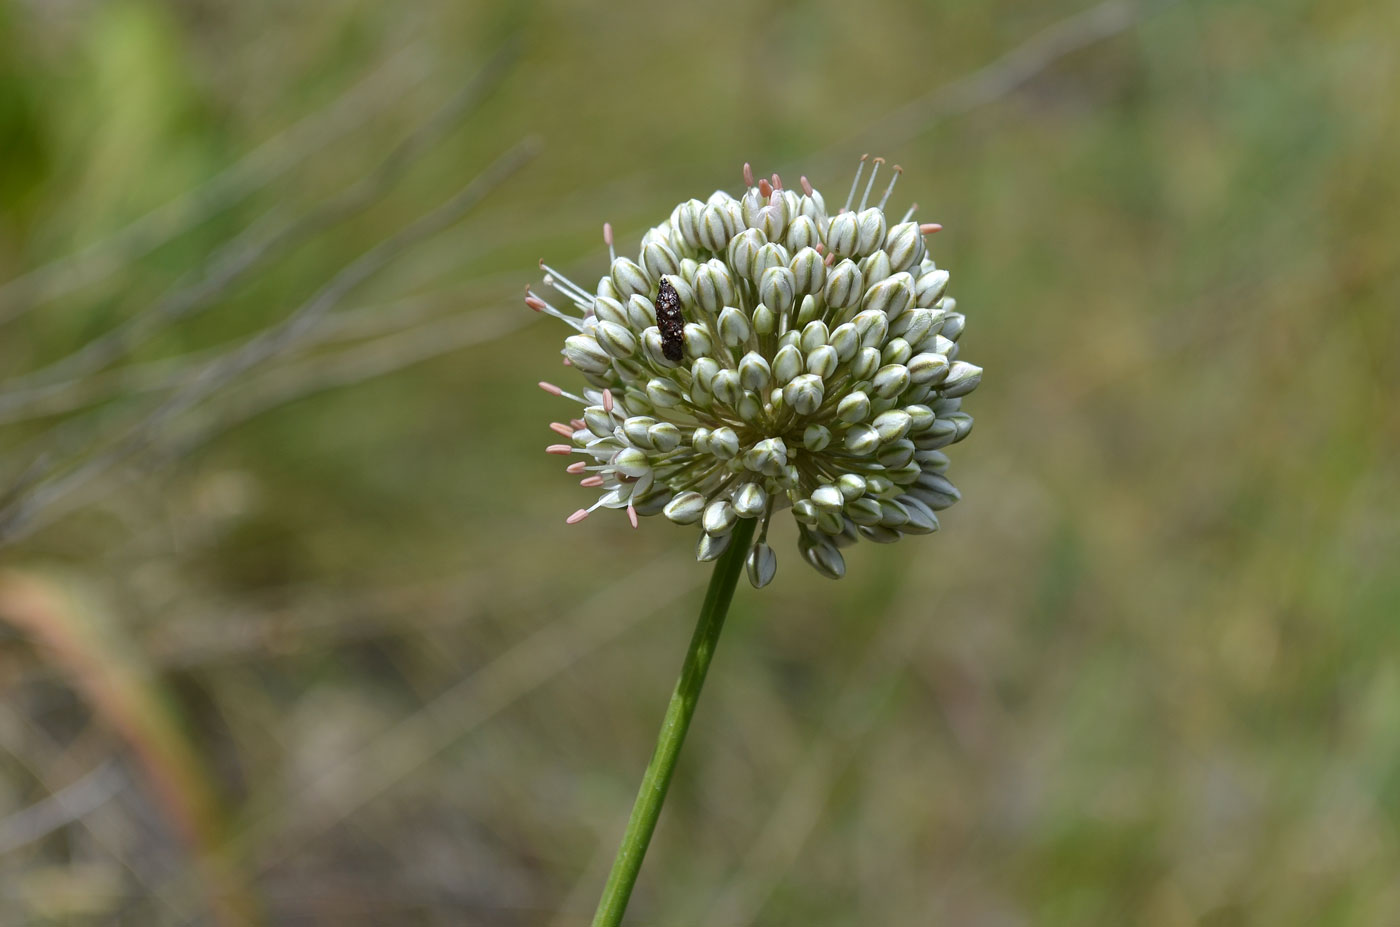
(813, 367)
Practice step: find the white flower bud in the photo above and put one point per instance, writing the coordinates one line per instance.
(844, 285)
(808, 272)
(873, 326)
(802, 232)
(953, 324)
(616, 339)
(750, 500)
(841, 235)
(698, 342)
(904, 244)
(711, 546)
(629, 278)
(719, 517)
(787, 363)
(664, 436)
(816, 437)
(724, 443)
(862, 440)
(762, 565)
(930, 287)
(804, 393)
(777, 289)
(743, 250)
(935, 490)
(769, 256)
(754, 372)
(765, 320)
(865, 511)
(726, 387)
(640, 313)
(921, 517)
(892, 296)
(891, 380)
(893, 425)
(658, 259)
(768, 456)
(865, 363)
(686, 220)
(714, 287)
(870, 230)
(928, 369)
(584, 352)
(630, 461)
(714, 230)
(734, 327)
(609, 310)
(876, 268)
(896, 454)
(846, 340)
(962, 379)
(826, 559)
(896, 351)
(686, 508)
(853, 408)
(823, 361)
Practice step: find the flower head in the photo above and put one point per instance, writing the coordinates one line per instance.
(761, 355)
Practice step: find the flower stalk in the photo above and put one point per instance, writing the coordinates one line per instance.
(657, 780)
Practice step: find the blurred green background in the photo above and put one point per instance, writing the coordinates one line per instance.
(294, 633)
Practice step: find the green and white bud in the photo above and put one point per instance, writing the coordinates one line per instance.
(686, 508)
(754, 373)
(844, 285)
(761, 565)
(804, 393)
(584, 352)
(962, 379)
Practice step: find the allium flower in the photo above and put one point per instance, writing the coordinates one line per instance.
(813, 367)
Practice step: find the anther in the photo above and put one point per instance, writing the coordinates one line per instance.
(748, 174)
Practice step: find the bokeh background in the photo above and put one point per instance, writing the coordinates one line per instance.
(294, 633)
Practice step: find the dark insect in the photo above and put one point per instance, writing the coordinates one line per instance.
(670, 321)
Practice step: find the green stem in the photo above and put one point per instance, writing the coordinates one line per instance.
(678, 713)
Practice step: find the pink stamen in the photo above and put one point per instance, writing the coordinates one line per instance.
(607, 234)
(559, 449)
(777, 182)
(577, 423)
(591, 481)
(577, 466)
(928, 228)
(632, 514)
(830, 259)
(561, 429)
(568, 363)
(607, 401)
(765, 189)
(819, 248)
(535, 303)
(551, 388)
(748, 175)
(806, 185)
(577, 517)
